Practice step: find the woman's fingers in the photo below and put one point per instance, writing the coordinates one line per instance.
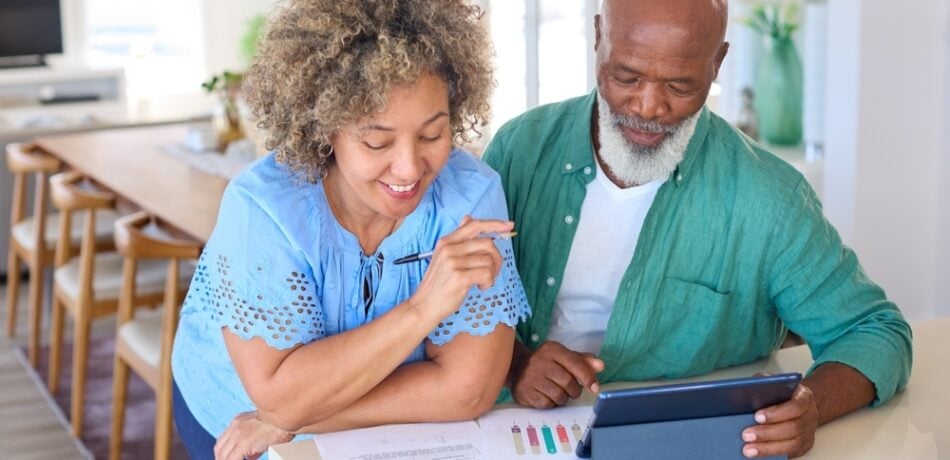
(473, 228)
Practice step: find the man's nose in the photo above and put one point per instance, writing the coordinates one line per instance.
(650, 102)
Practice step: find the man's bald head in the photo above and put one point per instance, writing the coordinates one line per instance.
(700, 22)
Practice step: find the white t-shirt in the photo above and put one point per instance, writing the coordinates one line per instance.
(610, 222)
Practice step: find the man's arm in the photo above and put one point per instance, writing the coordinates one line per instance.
(823, 295)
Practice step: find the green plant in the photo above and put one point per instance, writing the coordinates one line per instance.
(224, 81)
(773, 19)
(255, 28)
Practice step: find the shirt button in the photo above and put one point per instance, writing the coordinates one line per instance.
(587, 170)
(568, 166)
(535, 338)
(550, 281)
(568, 220)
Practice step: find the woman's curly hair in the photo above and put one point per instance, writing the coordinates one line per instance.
(323, 64)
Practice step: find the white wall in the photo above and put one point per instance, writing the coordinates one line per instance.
(225, 23)
(943, 204)
(887, 102)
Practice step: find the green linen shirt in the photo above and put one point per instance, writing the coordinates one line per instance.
(734, 252)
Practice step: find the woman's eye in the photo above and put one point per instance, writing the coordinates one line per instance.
(375, 147)
(431, 139)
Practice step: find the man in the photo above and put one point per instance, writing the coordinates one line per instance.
(656, 241)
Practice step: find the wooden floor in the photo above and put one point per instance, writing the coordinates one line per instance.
(31, 427)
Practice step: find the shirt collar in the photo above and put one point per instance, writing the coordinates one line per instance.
(580, 154)
(694, 149)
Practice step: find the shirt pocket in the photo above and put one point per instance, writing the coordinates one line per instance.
(693, 326)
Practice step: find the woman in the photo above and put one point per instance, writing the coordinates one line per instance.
(297, 317)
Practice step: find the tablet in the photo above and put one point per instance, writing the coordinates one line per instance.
(710, 398)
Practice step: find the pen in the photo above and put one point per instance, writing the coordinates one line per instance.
(425, 255)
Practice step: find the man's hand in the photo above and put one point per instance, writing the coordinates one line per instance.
(784, 429)
(551, 375)
(248, 437)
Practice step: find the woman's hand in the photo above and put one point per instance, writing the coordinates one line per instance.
(248, 437)
(460, 260)
(784, 429)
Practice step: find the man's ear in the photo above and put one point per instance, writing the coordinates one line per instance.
(720, 55)
(596, 31)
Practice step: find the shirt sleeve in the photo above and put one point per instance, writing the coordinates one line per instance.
(252, 280)
(822, 294)
(505, 301)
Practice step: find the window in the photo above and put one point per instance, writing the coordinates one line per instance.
(543, 53)
(159, 44)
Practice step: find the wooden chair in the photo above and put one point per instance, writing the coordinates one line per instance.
(87, 286)
(144, 341)
(33, 237)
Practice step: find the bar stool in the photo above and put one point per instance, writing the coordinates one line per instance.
(87, 286)
(33, 237)
(144, 341)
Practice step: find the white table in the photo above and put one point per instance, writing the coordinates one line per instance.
(914, 425)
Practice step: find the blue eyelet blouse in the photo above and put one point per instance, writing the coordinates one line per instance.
(279, 266)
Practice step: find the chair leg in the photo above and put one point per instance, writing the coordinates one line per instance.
(163, 420)
(55, 344)
(13, 291)
(80, 356)
(36, 311)
(120, 384)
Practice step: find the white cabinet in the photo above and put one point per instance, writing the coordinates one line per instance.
(39, 101)
(52, 99)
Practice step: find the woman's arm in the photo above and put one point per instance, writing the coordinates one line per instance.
(460, 381)
(307, 384)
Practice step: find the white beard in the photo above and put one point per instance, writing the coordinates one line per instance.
(635, 164)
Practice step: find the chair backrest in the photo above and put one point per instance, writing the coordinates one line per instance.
(133, 242)
(23, 160)
(70, 194)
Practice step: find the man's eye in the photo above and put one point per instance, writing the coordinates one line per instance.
(628, 81)
(679, 90)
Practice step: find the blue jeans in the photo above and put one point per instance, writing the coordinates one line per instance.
(197, 440)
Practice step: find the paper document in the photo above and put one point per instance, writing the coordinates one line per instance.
(414, 441)
(525, 434)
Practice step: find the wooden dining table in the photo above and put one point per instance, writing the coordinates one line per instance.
(130, 162)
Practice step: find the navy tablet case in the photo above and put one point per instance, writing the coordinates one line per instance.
(687, 402)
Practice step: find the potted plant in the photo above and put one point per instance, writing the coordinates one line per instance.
(226, 118)
(778, 80)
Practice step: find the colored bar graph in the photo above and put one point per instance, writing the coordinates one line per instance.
(562, 436)
(516, 438)
(533, 439)
(548, 438)
(578, 434)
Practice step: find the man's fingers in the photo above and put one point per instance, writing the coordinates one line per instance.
(566, 381)
(594, 362)
(577, 365)
(802, 399)
(790, 447)
(773, 432)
